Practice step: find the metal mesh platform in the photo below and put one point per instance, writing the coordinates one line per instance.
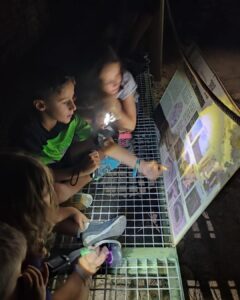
(146, 273)
(140, 200)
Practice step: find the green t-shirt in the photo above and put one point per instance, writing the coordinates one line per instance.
(50, 146)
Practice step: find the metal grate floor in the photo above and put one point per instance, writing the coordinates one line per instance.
(144, 205)
(141, 201)
(142, 276)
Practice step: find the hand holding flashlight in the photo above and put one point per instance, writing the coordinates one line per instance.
(92, 260)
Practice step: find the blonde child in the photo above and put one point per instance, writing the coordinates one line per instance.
(29, 206)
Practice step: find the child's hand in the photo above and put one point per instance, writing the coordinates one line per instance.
(92, 261)
(151, 169)
(113, 105)
(80, 219)
(91, 164)
(34, 283)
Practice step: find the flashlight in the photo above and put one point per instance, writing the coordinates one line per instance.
(109, 118)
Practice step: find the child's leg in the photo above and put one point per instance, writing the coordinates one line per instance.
(65, 190)
(67, 227)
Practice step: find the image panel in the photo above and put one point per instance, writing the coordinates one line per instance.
(192, 122)
(195, 130)
(188, 180)
(177, 216)
(179, 148)
(171, 174)
(212, 174)
(169, 138)
(193, 202)
(184, 163)
(173, 192)
(201, 145)
(175, 114)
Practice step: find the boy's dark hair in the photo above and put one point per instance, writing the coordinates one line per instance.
(46, 81)
(13, 248)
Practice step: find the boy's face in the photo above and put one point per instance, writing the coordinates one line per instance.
(111, 78)
(60, 106)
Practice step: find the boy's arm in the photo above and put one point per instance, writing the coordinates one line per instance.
(84, 166)
(61, 175)
(66, 190)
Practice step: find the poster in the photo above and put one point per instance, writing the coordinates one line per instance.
(201, 146)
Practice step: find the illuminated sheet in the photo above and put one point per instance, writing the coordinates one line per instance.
(201, 146)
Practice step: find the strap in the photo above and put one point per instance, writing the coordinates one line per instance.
(84, 275)
(137, 165)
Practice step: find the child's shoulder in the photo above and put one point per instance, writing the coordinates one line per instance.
(127, 76)
(128, 85)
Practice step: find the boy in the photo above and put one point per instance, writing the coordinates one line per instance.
(63, 140)
(50, 128)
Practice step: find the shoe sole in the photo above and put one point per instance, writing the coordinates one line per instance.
(81, 201)
(116, 229)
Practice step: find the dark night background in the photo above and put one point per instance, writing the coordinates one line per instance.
(36, 32)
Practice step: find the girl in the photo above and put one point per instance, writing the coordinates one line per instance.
(120, 86)
(94, 105)
(119, 83)
(29, 206)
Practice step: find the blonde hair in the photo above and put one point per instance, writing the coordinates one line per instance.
(24, 182)
(13, 247)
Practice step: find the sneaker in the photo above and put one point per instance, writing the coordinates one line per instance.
(98, 231)
(80, 201)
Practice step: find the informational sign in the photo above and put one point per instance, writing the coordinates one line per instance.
(200, 147)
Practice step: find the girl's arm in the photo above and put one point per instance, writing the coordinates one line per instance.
(119, 153)
(126, 114)
(150, 169)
